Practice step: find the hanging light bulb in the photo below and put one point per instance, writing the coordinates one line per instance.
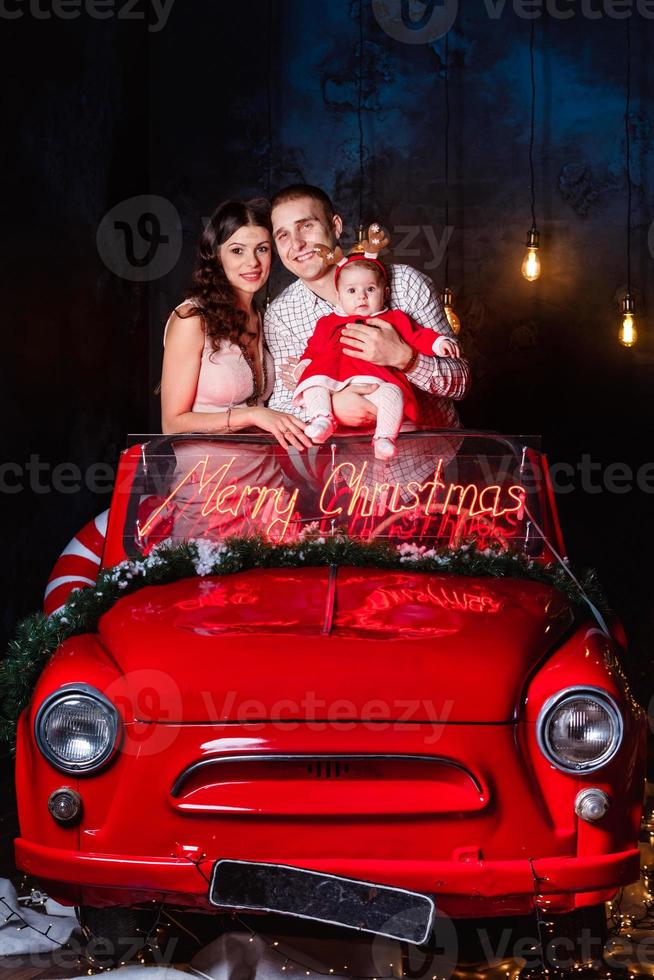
(359, 246)
(452, 318)
(531, 262)
(628, 334)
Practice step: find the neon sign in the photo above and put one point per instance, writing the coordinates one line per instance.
(421, 496)
(349, 493)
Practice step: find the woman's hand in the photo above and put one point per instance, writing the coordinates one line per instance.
(287, 430)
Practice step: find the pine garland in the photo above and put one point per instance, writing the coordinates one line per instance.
(38, 636)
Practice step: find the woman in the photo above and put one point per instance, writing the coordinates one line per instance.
(217, 373)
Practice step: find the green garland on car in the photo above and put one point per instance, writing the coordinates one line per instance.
(38, 636)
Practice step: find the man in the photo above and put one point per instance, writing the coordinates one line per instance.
(303, 216)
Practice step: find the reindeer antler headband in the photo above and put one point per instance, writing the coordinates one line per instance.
(369, 248)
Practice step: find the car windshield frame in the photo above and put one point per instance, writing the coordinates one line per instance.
(152, 463)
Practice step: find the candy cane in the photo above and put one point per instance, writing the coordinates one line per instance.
(77, 565)
(79, 562)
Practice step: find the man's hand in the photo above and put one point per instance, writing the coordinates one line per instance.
(378, 342)
(351, 408)
(288, 378)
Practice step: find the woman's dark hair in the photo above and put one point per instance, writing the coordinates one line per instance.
(214, 295)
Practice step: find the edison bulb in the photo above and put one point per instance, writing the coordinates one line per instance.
(628, 334)
(452, 319)
(531, 264)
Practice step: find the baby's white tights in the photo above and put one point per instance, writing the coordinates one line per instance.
(388, 399)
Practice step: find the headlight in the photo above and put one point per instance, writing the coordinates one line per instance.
(579, 729)
(76, 729)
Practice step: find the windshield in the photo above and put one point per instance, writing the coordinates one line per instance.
(443, 489)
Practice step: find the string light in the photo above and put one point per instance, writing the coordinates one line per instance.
(531, 266)
(628, 334)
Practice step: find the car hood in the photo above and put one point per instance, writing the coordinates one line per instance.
(314, 643)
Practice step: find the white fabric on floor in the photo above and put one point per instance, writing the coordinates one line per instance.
(138, 973)
(237, 956)
(232, 956)
(16, 938)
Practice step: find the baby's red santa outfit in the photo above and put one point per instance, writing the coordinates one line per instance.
(326, 367)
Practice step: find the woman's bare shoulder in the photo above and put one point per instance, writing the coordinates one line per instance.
(185, 324)
(186, 311)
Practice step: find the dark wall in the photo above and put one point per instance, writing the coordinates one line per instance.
(103, 111)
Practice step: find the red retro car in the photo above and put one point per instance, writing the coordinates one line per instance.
(353, 741)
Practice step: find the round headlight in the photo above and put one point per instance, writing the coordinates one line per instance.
(76, 729)
(579, 730)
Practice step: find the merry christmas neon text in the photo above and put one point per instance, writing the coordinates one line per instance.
(348, 491)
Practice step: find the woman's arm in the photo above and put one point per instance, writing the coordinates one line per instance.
(179, 382)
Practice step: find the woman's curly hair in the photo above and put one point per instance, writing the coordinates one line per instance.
(215, 297)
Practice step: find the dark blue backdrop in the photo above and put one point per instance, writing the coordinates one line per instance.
(99, 111)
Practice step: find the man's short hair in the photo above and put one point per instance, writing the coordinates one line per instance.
(295, 191)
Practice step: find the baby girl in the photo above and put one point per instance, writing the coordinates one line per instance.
(326, 366)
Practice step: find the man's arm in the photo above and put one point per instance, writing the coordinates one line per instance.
(281, 345)
(417, 295)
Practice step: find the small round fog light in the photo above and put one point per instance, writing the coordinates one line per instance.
(65, 805)
(591, 804)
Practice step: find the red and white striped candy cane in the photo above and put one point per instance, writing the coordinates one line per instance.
(77, 565)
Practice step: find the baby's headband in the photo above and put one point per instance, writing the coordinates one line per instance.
(366, 248)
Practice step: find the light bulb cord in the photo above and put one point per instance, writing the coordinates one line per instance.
(532, 136)
(269, 109)
(447, 157)
(360, 111)
(628, 152)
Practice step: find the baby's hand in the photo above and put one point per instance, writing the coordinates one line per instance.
(447, 347)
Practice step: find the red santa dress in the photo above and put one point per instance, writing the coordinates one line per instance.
(332, 367)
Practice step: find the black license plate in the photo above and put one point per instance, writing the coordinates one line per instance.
(362, 905)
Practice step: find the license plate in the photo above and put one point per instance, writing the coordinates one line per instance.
(362, 905)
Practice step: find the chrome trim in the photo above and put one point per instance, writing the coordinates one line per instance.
(569, 694)
(69, 691)
(318, 757)
(322, 874)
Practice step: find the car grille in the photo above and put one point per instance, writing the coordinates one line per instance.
(260, 783)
